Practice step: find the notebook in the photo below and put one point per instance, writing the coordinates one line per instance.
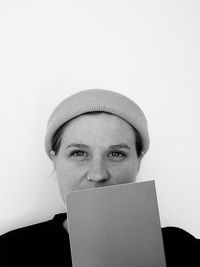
(115, 226)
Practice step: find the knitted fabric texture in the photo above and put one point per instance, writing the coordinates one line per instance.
(97, 100)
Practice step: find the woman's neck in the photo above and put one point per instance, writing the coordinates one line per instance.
(65, 225)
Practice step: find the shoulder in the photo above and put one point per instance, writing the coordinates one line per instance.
(30, 242)
(177, 234)
(28, 233)
(181, 248)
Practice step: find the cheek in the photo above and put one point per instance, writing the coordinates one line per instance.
(65, 177)
(69, 176)
(126, 172)
(64, 174)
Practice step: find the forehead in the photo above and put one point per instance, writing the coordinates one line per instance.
(98, 127)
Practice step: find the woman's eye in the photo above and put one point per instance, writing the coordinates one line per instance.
(116, 155)
(79, 154)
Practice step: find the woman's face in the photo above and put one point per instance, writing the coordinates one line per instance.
(98, 147)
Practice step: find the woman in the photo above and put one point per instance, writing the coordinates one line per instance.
(94, 138)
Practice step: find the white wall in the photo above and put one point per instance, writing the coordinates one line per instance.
(148, 50)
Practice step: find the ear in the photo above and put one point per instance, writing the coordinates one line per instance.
(52, 155)
(53, 158)
(140, 159)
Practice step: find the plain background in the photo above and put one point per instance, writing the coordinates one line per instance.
(147, 50)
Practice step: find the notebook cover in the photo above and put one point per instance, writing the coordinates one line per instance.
(115, 226)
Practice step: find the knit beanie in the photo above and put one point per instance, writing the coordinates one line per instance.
(100, 100)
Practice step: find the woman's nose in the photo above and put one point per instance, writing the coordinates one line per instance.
(98, 172)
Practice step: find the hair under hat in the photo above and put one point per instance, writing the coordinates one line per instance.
(94, 100)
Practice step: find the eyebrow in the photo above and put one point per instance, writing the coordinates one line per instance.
(77, 145)
(119, 146)
(83, 146)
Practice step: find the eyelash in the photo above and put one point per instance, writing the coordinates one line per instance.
(121, 153)
(82, 153)
(76, 152)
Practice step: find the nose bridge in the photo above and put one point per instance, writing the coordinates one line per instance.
(98, 171)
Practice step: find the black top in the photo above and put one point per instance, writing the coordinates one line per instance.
(47, 244)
